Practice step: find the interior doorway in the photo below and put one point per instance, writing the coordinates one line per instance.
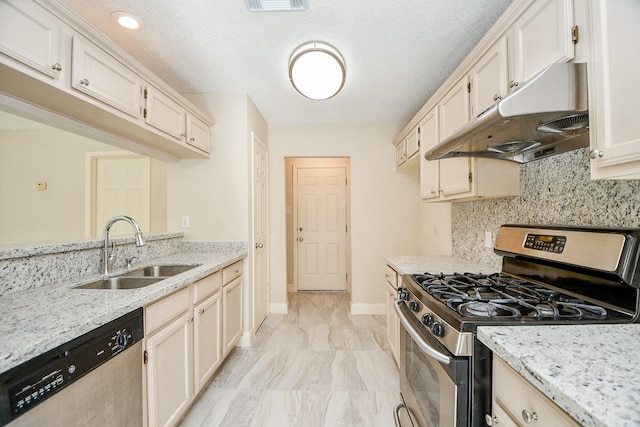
(318, 224)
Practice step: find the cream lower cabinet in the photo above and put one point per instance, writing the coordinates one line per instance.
(183, 348)
(517, 403)
(393, 324)
(232, 306)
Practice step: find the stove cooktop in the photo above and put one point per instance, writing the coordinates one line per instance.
(468, 300)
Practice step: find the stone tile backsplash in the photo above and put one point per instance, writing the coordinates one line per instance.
(555, 191)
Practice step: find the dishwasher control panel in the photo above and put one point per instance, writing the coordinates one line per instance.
(34, 381)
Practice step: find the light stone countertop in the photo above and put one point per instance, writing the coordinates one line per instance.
(590, 371)
(37, 320)
(436, 264)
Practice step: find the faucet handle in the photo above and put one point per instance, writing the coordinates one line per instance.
(130, 260)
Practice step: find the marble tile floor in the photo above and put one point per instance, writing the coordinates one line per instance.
(315, 366)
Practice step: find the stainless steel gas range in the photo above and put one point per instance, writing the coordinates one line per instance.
(550, 275)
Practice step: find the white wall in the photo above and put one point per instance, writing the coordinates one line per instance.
(385, 210)
(213, 192)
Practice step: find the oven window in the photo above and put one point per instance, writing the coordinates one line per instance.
(424, 383)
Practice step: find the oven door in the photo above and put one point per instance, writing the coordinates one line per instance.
(434, 383)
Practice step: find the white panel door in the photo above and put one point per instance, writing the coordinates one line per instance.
(260, 233)
(322, 229)
(122, 188)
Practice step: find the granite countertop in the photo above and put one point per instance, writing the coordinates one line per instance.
(590, 371)
(435, 264)
(36, 320)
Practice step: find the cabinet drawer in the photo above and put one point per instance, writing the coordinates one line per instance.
(231, 272)
(207, 286)
(516, 396)
(391, 276)
(161, 312)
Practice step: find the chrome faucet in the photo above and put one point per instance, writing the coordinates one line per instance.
(109, 254)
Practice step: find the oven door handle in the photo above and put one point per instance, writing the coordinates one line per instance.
(424, 346)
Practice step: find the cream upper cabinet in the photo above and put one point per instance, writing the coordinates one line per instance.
(31, 35)
(429, 169)
(198, 133)
(541, 35)
(613, 92)
(408, 149)
(101, 76)
(516, 402)
(453, 111)
(488, 78)
(165, 114)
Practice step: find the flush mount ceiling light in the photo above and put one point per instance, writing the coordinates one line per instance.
(276, 5)
(317, 70)
(127, 20)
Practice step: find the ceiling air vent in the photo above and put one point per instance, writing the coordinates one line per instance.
(276, 5)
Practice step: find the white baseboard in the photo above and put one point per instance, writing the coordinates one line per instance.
(278, 308)
(368, 309)
(245, 339)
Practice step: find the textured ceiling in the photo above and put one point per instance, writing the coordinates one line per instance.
(397, 52)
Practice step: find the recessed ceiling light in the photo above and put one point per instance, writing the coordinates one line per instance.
(317, 70)
(127, 20)
(276, 5)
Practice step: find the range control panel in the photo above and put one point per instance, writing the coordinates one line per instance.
(28, 384)
(546, 243)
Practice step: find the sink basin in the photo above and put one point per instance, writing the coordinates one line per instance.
(121, 282)
(159, 271)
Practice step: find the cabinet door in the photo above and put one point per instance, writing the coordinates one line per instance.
(165, 114)
(393, 324)
(413, 142)
(170, 372)
(232, 314)
(429, 169)
(401, 152)
(454, 113)
(198, 133)
(613, 94)
(541, 36)
(207, 339)
(31, 35)
(99, 75)
(489, 78)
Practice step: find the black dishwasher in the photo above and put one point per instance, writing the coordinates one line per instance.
(46, 377)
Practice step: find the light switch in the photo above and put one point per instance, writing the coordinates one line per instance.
(42, 185)
(185, 221)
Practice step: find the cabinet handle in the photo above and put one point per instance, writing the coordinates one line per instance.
(434, 192)
(183, 135)
(201, 311)
(513, 84)
(259, 245)
(595, 153)
(490, 421)
(528, 417)
(84, 82)
(192, 139)
(189, 319)
(497, 97)
(56, 67)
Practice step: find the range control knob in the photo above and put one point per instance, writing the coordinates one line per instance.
(437, 329)
(427, 319)
(414, 305)
(403, 294)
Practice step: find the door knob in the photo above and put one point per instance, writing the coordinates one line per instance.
(300, 229)
(300, 239)
(259, 245)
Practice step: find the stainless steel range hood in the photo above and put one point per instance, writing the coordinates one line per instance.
(546, 116)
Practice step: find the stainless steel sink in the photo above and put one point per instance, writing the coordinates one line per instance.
(121, 282)
(159, 271)
(138, 278)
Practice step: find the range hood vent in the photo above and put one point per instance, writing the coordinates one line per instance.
(546, 116)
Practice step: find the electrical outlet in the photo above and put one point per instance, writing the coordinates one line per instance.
(42, 185)
(488, 240)
(185, 221)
